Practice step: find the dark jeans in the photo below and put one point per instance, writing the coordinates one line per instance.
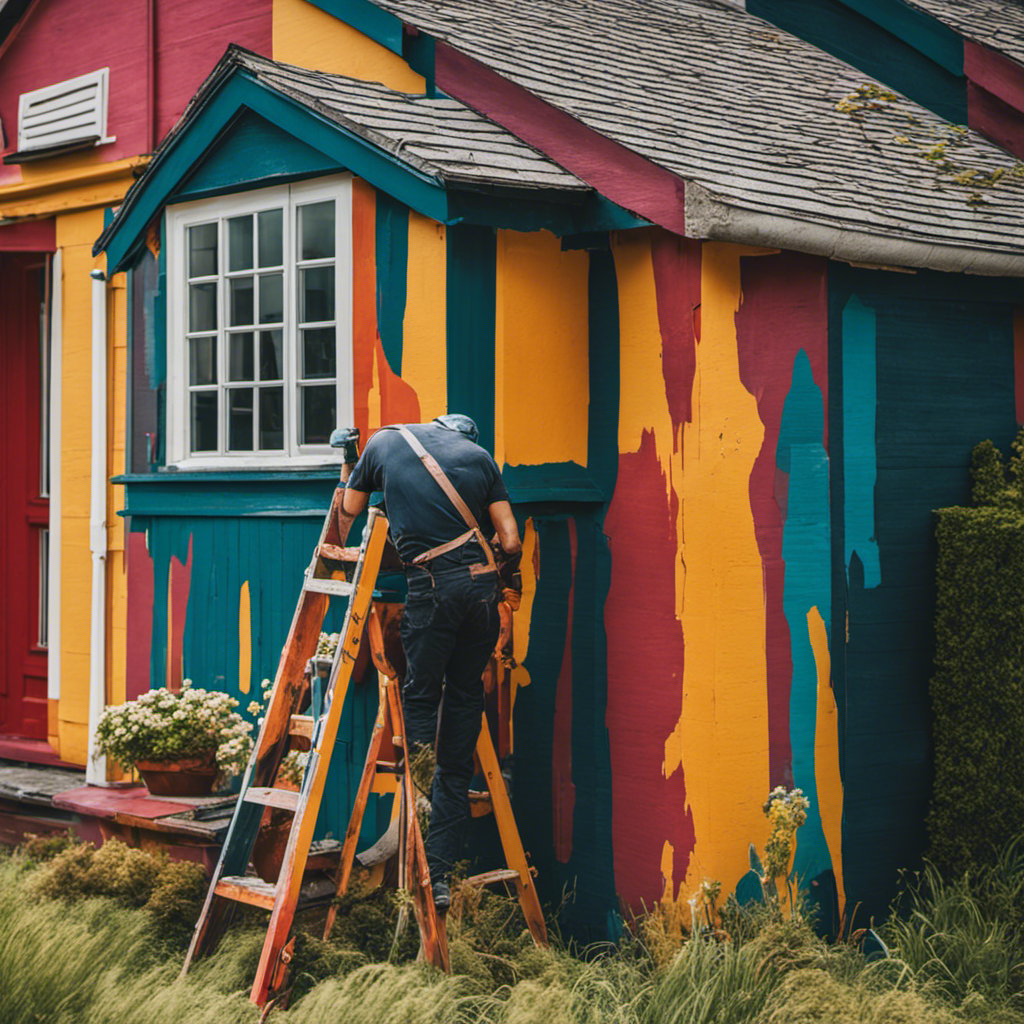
(449, 630)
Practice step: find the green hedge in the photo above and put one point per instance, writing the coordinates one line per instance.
(978, 687)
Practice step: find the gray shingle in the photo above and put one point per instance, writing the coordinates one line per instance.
(995, 23)
(743, 109)
(439, 136)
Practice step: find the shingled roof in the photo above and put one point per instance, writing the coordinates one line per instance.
(754, 120)
(995, 23)
(439, 137)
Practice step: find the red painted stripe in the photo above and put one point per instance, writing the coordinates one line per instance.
(990, 116)
(181, 585)
(677, 284)
(784, 310)
(140, 616)
(1018, 362)
(645, 680)
(29, 236)
(563, 792)
(616, 172)
(995, 73)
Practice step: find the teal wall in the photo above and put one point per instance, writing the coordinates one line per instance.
(936, 355)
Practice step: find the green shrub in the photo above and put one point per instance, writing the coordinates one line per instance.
(965, 936)
(977, 690)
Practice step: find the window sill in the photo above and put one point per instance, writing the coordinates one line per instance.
(303, 492)
(242, 463)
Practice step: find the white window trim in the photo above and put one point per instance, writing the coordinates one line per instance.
(179, 219)
(102, 80)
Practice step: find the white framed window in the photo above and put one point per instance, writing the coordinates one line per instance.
(259, 325)
(73, 111)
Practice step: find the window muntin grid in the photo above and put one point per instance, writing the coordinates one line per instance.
(262, 308)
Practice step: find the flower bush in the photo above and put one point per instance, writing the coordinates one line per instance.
(165, 726)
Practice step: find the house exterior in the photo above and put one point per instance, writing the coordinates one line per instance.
(728, 330)
(87, 90)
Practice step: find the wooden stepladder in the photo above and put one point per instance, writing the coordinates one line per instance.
(232, 883)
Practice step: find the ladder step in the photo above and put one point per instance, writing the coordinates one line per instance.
(285, 799)
(248, 889)
(498, 875)
(336, 588)
(302, 726)
(257, 893)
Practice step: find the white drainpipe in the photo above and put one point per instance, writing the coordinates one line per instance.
(96, 767)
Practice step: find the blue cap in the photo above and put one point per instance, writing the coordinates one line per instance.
(459, 423)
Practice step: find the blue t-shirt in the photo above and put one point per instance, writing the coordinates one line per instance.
(420, 514)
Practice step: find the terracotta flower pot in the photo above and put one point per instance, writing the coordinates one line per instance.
(193, 776)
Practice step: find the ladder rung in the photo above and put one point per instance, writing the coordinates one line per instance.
(247, 889)
(336, 588)
(257, 893)
(498, 875)
(302, 725)
(285, 799)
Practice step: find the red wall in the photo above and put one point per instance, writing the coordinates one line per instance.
(60, 39)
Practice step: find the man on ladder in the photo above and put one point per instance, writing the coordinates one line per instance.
(449, 515)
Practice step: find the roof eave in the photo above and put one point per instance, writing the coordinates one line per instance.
(710, 218)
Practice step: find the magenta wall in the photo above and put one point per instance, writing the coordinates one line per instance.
(61, 39)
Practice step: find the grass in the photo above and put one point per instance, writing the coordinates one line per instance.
(93, 938)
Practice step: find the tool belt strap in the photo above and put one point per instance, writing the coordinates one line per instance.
(473, 533)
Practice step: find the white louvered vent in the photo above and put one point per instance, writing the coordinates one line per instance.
(65, 113)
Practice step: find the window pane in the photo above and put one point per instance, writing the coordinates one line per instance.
(270, 355)
(240, 356)
(271, 233)
(202, 250)
(202, 361)
(204, 421)
(318, 352)
(271, 298)
(202, 307)
(240, 243)
(317, 414)
(316, 291)
(240, 419)
(271, 418)
(317, 230)
(241, 301)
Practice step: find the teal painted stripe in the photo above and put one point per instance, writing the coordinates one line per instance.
(560, 213)
(550, 481)
(302, 495)
(368, 18)
(603, 414)
(392, 255)
(806, 542)
(173, 167)
(469, 323)
(926, 34)
(253, 149)
(860, 468)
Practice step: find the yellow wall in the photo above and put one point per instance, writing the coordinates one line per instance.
(76, 233)
(424, 344)
(542, 364)
(720, 741)
(306, 36)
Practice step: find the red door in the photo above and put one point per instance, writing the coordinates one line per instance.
(24, 508)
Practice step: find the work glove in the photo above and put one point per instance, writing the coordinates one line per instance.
(511, 577)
